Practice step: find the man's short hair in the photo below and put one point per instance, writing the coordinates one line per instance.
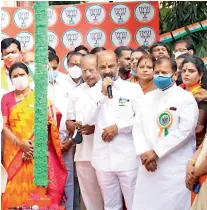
(118, 50)
(50, 49)
(97, 49)
(143, 49)
(71, 54)
(189, 44)
(156, 44)
(5, 43)
(52, 56)
(81, 47)
(163, 59)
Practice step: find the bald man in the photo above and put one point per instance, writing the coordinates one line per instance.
(113, 156)
(28, 59)
(88, 182)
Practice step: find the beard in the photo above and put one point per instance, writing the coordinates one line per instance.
(124, 70)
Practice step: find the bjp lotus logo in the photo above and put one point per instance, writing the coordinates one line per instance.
(23, 18)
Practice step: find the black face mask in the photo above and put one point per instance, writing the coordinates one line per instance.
(124, 70)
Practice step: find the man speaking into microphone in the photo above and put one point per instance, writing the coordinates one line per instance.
(112, 108)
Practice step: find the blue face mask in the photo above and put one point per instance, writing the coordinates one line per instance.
(162, 82)
(52, 75)
(133, 73)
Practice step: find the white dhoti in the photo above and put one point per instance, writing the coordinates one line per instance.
(89, 186)
(115, 184)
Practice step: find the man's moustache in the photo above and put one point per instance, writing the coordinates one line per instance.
(108, 75)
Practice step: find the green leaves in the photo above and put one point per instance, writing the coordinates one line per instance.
(174, 15)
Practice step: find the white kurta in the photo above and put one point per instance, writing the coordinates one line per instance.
(165, 188)
(77, 104)
(119, 154)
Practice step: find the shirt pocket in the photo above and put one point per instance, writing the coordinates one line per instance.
(124, 109)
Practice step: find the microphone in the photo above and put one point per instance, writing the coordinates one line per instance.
(109, 91)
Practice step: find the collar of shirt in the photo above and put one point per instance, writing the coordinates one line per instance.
(169, 90)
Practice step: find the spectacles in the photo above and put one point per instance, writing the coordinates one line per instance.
(179, 50)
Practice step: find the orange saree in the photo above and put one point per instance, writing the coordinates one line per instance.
(20, 185)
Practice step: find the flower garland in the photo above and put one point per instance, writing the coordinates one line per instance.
(41, 81)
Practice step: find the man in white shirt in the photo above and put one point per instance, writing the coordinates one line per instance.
(90, 189)
(74, 79)
(57, 87)
(113, 154)
(164, 137)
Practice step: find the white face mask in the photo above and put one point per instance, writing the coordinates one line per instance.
(32, 67)
(75, 72)
(20, 82)
(177, 54)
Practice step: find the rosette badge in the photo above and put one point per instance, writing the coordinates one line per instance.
(164, 121)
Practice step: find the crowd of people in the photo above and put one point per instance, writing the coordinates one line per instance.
(126, 128)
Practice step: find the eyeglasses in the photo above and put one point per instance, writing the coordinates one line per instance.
(179, 50)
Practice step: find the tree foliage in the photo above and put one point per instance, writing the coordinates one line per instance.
(178, 14)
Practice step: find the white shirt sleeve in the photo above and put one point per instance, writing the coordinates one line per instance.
(70, 108)
(95, 104)
(187, 123)
(138, 132)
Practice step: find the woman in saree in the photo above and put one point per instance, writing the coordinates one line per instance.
(18, 115)
(197, 174)
(145, 73)
(193, 70)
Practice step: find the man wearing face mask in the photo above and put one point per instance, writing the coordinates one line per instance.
(74, 70)
(57, 90)
(183, 46)
(164, 137)
(113, 155)
(73, 80)
(11, 54)
(123, 54)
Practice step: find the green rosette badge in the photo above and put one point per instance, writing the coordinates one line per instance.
(164, 121)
